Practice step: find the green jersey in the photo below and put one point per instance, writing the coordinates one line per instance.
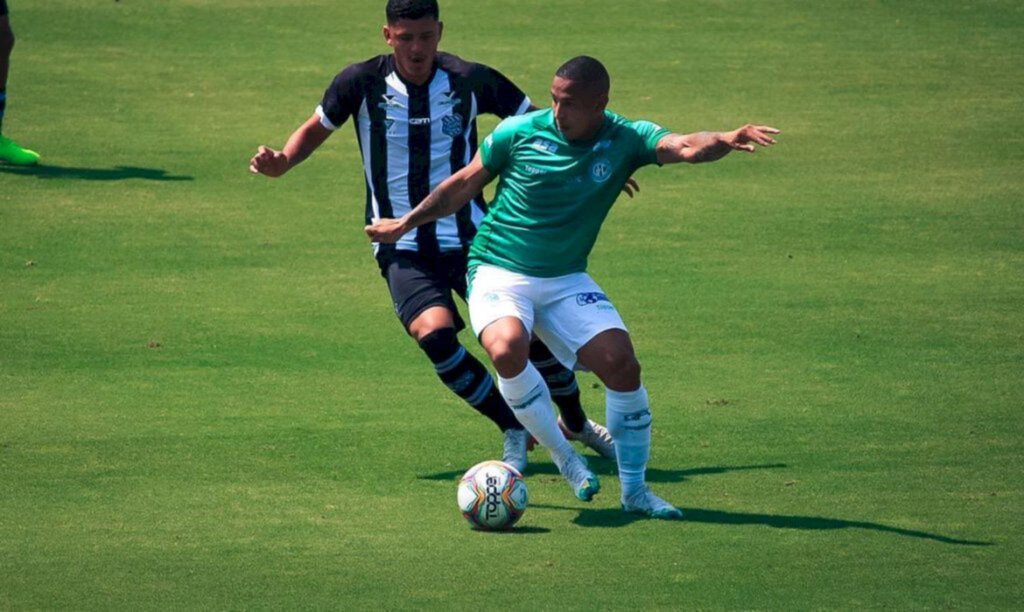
(553, 195)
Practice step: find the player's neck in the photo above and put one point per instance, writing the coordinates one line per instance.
(591, 135)
(418, 80)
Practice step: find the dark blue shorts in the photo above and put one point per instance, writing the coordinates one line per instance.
(3, 7)
(418, 283)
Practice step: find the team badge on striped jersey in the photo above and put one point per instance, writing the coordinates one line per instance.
(451, 125)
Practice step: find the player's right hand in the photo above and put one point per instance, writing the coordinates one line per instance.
(268, 162)
(385, 230)
(742, 139)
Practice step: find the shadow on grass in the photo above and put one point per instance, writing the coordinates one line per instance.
(615, 517)
(119, 173)
(515, 531)
(607, 467)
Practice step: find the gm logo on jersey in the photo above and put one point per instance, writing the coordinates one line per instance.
(601, 170)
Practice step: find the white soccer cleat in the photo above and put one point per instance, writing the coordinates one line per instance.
(594, 436)
(583, 482)
(515, 448)
(647, 503)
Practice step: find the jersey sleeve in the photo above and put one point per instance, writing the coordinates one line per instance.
(497, 95)
(649, 134)
(497, 147)
(342, 98)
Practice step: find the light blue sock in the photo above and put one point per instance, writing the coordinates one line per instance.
(629, 421)
(530, 400)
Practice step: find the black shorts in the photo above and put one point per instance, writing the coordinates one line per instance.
(3, 8)
(417, 283)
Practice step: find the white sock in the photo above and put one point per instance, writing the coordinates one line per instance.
(629, 421)
(528, 396)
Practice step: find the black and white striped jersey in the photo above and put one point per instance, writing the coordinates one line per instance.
(412, 137)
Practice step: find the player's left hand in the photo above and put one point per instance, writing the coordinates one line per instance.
(387, 231)
(744, 138)
(631, 187)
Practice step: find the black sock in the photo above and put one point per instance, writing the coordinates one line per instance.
(562, 384)
(3, 106)
(467, 377)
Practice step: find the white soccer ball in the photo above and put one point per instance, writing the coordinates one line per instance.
(492, 495)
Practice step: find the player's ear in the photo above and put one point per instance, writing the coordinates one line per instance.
(602, 102)
(440, 29)
(387, 35)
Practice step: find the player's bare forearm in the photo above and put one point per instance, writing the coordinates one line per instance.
(438, 204)
(450, 196)
(441, 202)
(305, 140)
(301, 144)
(703, 147)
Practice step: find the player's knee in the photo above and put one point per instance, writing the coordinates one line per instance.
(430, 321)
(620, 371)
(440, 344)
(509, 354)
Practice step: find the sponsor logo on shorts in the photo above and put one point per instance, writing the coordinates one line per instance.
(586, 299)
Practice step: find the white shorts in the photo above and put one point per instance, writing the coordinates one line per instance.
(565, 312)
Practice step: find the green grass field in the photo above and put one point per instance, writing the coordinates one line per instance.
(205, 401)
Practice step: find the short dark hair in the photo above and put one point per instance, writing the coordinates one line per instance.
(586, 72)
(411, 9)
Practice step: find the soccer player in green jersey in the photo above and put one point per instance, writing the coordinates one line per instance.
(414, 113)
(560, 171)
(10, 151)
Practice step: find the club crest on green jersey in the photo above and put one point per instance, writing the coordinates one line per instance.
(600, 170)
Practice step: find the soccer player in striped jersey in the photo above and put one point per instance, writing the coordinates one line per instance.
(10, 152)
(560, 171)
(414, 112)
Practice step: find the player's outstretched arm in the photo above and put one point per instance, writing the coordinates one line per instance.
(300, 145)
(711, 146)
(451, 195)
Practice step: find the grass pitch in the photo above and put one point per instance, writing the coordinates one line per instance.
(205, 401)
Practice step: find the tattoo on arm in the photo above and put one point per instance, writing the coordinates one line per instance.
(433, 207)
(712, 150)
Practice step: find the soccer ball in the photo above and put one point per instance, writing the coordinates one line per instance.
(492, 495)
